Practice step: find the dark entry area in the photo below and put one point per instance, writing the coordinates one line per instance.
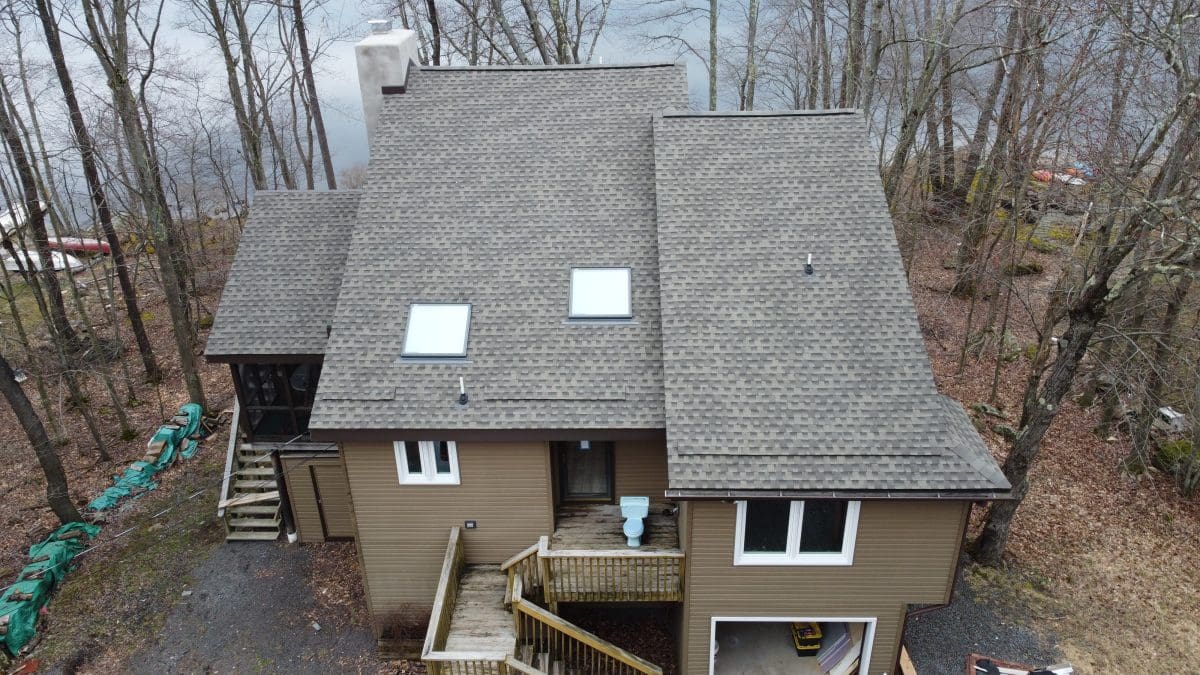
(276, 398)
(585, 471)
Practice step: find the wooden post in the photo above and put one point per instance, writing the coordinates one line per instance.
(544, 569)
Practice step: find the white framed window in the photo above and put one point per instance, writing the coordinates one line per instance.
(782, 532)
(427, 462)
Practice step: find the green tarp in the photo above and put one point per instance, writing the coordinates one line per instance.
(138, 478)
(49, 563)
(50, 560)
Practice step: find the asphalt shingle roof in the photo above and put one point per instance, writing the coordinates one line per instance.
(485, 187)
(283, 284)
(777, 380)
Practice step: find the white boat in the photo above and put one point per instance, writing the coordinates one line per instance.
(58, 260)
(13, 221)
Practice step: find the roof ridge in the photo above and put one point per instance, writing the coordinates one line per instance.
(826, 112)
(338, 191)
(553, 67)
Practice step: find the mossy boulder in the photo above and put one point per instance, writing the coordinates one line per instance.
(1004, 431)
(1023, 269)
(987, 409)
(1173, 453)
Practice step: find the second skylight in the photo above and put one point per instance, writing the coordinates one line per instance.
(601, 293)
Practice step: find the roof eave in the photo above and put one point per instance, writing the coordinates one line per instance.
(947, 495)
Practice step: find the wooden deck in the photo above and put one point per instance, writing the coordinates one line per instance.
(599, 527)
(480, 622)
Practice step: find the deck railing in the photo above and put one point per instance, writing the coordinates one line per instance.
(609, 576)
(438, 661)
(541, 632)
(524, 566)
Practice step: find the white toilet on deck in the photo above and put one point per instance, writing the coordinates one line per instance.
(634, 510)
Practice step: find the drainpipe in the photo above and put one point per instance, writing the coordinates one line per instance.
(285, 504)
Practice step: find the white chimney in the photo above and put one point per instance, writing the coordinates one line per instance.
(383, 58)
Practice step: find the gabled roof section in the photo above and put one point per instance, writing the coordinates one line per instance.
(778, 381)
(283, 285)
(486, 186)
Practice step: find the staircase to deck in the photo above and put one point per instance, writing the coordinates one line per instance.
(249, 504)
(489, 620)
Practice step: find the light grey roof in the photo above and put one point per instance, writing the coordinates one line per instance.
(284, 282)
(780, 381)
(485, 187)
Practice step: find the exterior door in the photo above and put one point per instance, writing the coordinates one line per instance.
(332, 496)
(587, 471)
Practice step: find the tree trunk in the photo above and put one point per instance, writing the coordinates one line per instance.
(852, 68)
(58, 495)
(1042, 405)
(435, 31)
(535, 29)
(751, 57)
(311, 82)
(112, 52)
(87, 153)
(713, 16)
(35, 219)
(987, 110)
(251, 142)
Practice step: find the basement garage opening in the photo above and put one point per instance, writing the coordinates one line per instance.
(792, 646)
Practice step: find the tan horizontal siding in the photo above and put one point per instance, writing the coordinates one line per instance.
(906, 552)
(403, 529)
(335, 499)
(640, 468)
(334, 493)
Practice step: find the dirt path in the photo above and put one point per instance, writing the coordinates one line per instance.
(249, 608)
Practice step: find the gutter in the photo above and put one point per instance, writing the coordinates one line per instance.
(967, 495)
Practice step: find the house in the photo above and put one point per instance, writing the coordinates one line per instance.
(560, 288)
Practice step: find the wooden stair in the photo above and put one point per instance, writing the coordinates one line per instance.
(252, 508)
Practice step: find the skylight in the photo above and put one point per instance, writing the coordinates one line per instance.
(437, 330)
(601, 293)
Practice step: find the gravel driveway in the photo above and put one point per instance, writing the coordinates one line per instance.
(250, 608)
(940, 640)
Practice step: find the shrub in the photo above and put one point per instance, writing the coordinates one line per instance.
(409, 622)
(1181, 460)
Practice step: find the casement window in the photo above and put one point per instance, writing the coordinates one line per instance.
(427, 462)
(782, 532)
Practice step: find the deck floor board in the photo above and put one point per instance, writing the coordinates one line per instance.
(480, 622)
(600, 527)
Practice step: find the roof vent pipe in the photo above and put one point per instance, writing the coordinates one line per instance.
(808, 268)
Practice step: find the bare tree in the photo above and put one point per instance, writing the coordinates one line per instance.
(87, 153)
(57, 494)
(108, 37)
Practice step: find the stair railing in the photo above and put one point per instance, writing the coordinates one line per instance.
(575, 647)
(230, 455)
(523, 565)
(437, 660)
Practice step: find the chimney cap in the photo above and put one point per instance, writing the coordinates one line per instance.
(380, 25)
